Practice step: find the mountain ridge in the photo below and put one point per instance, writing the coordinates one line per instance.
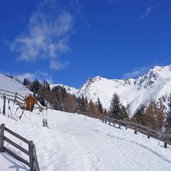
(133, 92)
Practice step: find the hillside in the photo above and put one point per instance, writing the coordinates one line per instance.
(10, 84)
(75, 142)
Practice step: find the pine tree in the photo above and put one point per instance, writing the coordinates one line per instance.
(117, 110)
(27, 83)
(78, 105)
(84, 104)
(90, 107)
(105, 112)
(168, 117)
(100, 108)
(35, 86)
(169, 107)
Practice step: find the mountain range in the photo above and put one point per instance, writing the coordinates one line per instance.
(153, 85)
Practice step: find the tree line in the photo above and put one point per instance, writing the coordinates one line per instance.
(58, 98)
(152, 115)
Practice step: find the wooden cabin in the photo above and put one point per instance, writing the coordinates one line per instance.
(29, 102)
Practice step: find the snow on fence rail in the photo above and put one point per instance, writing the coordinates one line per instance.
(161, 136)
(31, 152)
(12, 95)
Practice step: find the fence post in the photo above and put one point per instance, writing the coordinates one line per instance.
(15, 97)
(36, 165)
(2, 128)
(126, 126)
(109, 121)
(31, 156)
(102, 118)
(165, 141)
(135, 129)
(113, 123)
(165, 144)
(4, 105)
(119, 124)
(105, 120)
(148, 134)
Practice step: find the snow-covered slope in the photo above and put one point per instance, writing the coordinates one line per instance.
(10, 84)
(70, 90)
(155, 84)
(75, 142)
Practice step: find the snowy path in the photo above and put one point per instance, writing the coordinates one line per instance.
(9, 163)
(74, 142)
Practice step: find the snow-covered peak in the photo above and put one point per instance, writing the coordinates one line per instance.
(154, 75)
(133, 92)
(160, 71)
(70, 90)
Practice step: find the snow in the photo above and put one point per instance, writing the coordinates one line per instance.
(132, 92)
(76, 142)
(12, 85)
(9, 163)
(70, 90)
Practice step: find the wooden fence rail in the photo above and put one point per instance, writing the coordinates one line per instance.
(14, 97)
(10, 92)
(158, 135)
(30, 152)
(162, 136)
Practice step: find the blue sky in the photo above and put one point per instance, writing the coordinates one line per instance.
(69, 41)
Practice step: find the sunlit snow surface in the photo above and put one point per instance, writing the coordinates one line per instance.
(75, 142)
(12, 85)
(8, 163)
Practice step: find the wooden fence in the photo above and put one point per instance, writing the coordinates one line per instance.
(10, 96)
(158, 135)
(30, 152)
(14, 97)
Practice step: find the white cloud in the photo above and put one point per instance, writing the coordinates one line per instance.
(58, 65)
(47, 35)
(41, 76)
(136, 72)
(29, 76)
(148, 11)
